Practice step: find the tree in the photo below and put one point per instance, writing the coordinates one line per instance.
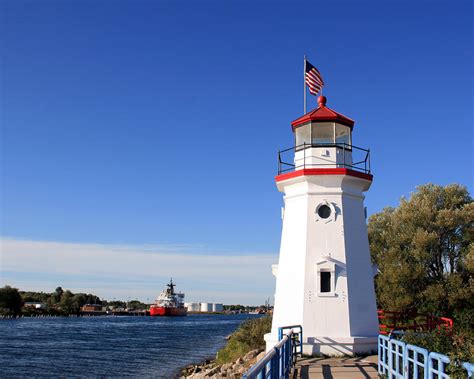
(38, 297)
(58, 293)
(79, 299)
(11, 301)
(136, 304)
(425, 253)
(67, 304)
(93, 299)
(115, 304)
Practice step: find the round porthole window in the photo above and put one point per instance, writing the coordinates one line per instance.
(324, 211)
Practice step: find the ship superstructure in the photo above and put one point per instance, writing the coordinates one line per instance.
(169, 303)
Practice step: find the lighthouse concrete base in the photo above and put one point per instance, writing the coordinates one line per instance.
(332, 346)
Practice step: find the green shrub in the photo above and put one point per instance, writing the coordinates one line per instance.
(249, 336)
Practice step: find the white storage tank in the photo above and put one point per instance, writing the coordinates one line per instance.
(193, 307)
(196, 307)
(206, 307)
(217, 307)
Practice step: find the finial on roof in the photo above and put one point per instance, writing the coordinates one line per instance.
(322, 101)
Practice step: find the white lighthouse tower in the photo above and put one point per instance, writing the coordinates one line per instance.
(324, 277)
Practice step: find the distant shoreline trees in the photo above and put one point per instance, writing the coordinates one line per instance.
(63, 302)
(59, 303)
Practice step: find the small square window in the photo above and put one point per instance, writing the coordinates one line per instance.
(325, 285)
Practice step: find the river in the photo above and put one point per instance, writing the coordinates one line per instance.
(108, 346)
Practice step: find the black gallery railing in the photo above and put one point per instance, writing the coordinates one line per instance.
(359, 157)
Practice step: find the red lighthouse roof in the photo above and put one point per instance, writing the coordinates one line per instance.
(323, 113)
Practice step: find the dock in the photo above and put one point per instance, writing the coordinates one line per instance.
(336, 368)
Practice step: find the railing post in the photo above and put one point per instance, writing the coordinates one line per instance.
(381, 357)
(469, 367)
(344, 155)
(279, 163)
(281, 362)
(301, 341)
(275, 362)
(304, 155)
(289, 363)
(278, 362)
(368, 152)
(263, 372)
(390, 353)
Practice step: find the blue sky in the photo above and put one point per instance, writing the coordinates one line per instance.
(133, 123)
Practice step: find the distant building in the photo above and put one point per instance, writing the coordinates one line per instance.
(91, 308)
(204, 307)
(193, 307)
(35, 305)
(217, 308)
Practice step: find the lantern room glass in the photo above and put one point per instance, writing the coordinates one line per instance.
(322, 133)
(343, 134)
(303, 136)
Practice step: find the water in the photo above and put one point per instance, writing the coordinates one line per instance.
(110, 346)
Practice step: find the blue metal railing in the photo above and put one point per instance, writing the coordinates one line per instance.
(416, 359)
(277, 363)
(297, 336)
(469, 367)
(400, 360)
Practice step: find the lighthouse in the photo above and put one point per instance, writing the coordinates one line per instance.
(324, 276)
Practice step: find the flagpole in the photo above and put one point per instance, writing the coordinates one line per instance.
(304, 84)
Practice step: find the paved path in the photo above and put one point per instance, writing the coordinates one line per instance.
(336, 368)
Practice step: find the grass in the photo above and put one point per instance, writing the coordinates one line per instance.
(248, 337)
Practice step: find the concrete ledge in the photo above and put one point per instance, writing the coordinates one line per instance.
(270, 340)
(339, 346)
(332, 346)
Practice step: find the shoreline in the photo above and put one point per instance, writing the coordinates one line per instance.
(237, 356)
(112, 314)
(209, 368)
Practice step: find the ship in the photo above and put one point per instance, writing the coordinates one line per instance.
(169, 303)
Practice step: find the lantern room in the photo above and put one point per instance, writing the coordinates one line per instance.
(323, 138)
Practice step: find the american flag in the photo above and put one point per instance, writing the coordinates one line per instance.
(313, 79)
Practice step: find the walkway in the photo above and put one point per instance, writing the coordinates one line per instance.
(336, 368)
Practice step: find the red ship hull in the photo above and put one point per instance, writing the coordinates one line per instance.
(156, 310)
